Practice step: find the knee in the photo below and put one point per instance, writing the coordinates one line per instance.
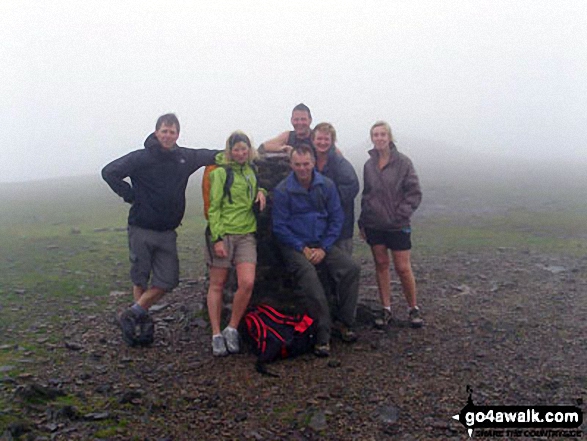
(247, 284)
(216, 286)
(403, 270)
(382, 263)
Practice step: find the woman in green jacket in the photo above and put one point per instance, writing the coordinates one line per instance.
(231, 239)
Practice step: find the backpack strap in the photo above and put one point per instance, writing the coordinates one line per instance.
(228, 183)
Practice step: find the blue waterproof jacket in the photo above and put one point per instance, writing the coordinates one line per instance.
(312, 217)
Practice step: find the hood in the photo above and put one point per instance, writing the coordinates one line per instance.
(152, 144)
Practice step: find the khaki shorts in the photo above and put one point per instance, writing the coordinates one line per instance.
(153, 255)
(240, 248)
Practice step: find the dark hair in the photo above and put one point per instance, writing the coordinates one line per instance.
(302, 108)
(168, 119)
(238, 136)
(302, 149)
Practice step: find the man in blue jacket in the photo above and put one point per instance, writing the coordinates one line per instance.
(307, 221)
(158, 175)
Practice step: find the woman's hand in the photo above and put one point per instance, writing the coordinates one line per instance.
(261, 200)
(219, 249)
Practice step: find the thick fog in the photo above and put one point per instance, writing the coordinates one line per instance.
(487, 81)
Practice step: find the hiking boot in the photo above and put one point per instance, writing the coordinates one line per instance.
(345, 333)
(322, 350)
(147, 330)
(231, 339)
(218, 346)
(384, 319)
(128, 324)
(414, 317)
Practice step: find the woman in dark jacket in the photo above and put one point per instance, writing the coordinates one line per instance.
(391, 193)
(331, 163)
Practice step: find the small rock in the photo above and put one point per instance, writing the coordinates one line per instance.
(73, 346)
(118, 293)
(388, 415)
(97, 416)
(159, 307)
(318, 421)
(130, 396)
(200, 322)
(334, 363)
(240, 417)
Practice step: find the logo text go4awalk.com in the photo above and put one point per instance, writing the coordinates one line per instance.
(518, 421)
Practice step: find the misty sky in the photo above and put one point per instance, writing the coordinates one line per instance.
(82, 83)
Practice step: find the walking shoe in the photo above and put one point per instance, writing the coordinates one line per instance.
(231, 339)
(218, 346)
(128, 324)
(345, 333)
(147, 330)
(322, 350)
(384, 319)
(415, 319)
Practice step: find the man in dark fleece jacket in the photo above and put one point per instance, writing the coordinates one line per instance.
(158, 175)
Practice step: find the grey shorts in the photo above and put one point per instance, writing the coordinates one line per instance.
(153, 255)
(240, 248)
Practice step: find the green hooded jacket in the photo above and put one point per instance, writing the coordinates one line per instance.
(238, 217)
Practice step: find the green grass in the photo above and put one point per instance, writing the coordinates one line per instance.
(564, 232)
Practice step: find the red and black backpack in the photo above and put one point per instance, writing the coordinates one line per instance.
(274, 335)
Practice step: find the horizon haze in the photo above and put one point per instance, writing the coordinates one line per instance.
(83, 83)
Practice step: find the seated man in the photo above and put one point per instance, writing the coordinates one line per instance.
(301, 119)
(307, 221)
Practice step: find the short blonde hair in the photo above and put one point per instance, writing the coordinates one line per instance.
(385, 125)
(324, 127)
(234, 138)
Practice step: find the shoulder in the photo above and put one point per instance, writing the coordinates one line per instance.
(136, 156)
(283, 186)
(323, 181)
(404, 159)
(218, 171)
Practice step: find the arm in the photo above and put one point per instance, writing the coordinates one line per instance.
(347, 182)
(200, 157)
(217, 179)
(412, 193)
(366, 191)
(277, 144)
(115, 173)
(280, 216)
(335, 218)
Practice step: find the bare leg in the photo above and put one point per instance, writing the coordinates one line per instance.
(381, 257)
(403, 267)
(214, 300)
(245, 272)
(150, 297)
(137, 292)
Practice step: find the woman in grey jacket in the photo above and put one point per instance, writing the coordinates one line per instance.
(391, 193)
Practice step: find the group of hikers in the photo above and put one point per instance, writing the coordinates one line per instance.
(312, 220)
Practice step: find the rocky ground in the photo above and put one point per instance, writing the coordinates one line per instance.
(510, 323)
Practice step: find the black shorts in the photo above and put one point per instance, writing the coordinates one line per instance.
(396, 240)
